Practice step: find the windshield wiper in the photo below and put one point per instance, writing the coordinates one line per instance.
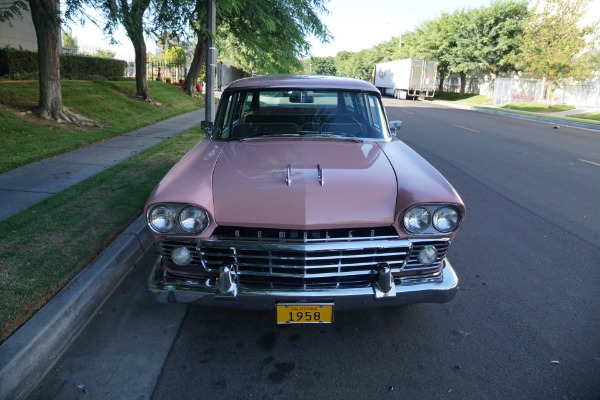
(269, 135)
(332, 136)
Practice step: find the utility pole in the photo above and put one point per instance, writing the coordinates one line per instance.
(211, 61)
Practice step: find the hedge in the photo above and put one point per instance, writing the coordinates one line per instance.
(19, 64)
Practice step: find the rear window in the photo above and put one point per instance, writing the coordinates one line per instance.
(255, 113)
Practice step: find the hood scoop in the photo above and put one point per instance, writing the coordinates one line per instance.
(288, 178)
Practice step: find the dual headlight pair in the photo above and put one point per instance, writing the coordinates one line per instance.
(178, 218)
(420, 219)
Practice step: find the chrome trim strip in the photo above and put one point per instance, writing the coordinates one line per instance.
(289, 258)
(305, 240)
(288, 179)
(347, 245)
(320, 174)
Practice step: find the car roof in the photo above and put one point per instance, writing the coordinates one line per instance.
(301, 82)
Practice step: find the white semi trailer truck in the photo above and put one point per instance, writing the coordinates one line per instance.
(406, 79)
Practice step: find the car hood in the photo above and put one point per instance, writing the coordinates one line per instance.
(250, 185)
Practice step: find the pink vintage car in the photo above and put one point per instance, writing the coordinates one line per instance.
(303, 201)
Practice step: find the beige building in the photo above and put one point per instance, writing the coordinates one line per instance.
(21, 35)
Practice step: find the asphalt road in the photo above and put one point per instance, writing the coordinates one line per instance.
(524, 325)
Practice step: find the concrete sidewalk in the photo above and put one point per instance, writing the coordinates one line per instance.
(23, 187)
(27, 355)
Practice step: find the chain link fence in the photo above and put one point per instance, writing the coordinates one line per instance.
(511, 90)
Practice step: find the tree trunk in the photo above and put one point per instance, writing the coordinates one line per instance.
(441, 85)
(189, 86)
(141, 73)
(133, 22)
(463, 82)
(46, 20)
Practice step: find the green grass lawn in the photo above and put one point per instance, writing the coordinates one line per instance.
(536, 107)
(46, 245)
(25, 139)
(467, 99)
(590, 116)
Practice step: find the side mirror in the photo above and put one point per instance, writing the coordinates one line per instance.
(395, 126)
(208, 127)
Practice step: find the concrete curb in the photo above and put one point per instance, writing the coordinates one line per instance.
(34, 348)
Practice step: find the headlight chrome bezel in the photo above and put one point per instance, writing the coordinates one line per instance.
(179, 211)
(435, 219)
(201, 212)
(419, 213)
(165, 213)
(433, 225)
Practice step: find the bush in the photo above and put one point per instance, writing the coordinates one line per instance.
(16, 64)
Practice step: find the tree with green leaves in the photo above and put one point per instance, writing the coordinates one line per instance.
(343, 62)
(130, 14)
(322, 66)
(266, 37)
(70, 42)
(104, 53)
(434, 42)
(557, 45)
(175, 55)
(497, 35)
(474, 40)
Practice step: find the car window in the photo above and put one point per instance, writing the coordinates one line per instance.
(300, 112)
(225, 113)
(373, 110)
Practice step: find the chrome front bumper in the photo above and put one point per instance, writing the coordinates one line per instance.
(167, 289)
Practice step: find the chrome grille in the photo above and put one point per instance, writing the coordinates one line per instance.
(304, 264)
(329, 262)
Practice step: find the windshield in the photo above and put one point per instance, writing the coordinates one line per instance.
(300, 113)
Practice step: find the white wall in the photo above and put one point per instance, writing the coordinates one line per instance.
(21, 35)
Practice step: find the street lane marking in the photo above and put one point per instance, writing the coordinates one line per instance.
(408, 112)
(469, 129)
(589, 162)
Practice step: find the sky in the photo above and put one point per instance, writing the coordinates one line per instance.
(354, 24)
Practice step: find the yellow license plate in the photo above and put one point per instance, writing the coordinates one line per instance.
(305, 313)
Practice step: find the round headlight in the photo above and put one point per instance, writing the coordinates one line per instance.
(446, 219)
(162, 219)
(416, 219)
(193, 219)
